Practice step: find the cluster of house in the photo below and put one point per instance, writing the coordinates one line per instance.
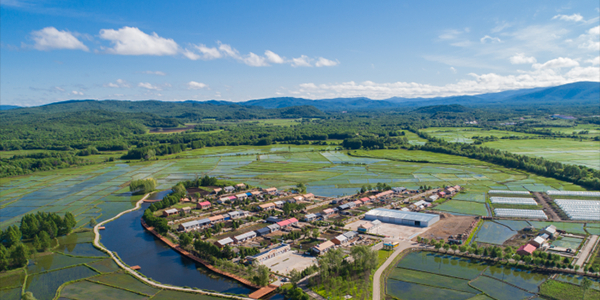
(339, 240)
(244, 237)
(279, 204)
(241, 196)
(448, 191)
(208, 222)
(545, 234)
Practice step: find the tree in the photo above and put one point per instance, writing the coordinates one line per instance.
(19, 255)
(316, 233)
(301, 187)
(179, 189)
(93, 222)
(295, 276)
(585, 285)
(4, 256)
(142, 186)
(262, 275)
(44, 241)
(185, 239)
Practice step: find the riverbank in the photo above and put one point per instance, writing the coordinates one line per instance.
(195, 258)
(139, 276)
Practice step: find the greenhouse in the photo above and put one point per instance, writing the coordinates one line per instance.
(509, 200)
(573, 193)
(580, 209)
(520, 213)
(507, 192)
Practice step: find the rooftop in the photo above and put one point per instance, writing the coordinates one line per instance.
(407, 215)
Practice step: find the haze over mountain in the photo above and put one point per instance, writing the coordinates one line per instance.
(579, 93)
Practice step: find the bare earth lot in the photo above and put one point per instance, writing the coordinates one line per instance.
(391, 231)
(449, 225)
(289, 261)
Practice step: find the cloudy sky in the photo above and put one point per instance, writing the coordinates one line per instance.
(240, 50)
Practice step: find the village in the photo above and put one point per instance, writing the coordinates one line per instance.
(288, 230)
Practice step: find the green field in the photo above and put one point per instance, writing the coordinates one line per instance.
(465, 134)
(463, 207)
(423, 275)
(567, 151)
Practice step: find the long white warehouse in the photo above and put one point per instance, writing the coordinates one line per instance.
(402, 217)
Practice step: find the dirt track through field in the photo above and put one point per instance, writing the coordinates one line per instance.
(543, 199)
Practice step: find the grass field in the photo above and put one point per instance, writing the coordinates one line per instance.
(463, 207)
(562, 150)
(566, 291)
(94, 291)
(465, 134)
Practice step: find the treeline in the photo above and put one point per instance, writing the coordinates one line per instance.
(581, 175)
(43, 161)
(160, 224)
(142, 186)
(40, 228)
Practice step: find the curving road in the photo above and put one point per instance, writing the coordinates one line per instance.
(377, 277)
(136, 274)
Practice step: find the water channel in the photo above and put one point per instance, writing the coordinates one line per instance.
(135, 246)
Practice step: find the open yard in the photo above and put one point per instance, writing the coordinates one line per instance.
(392, 232)
(285, 263)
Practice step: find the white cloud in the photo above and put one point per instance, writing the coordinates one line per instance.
(59, 89)
(272, 57)
(193, 85)
(229, 51)
(484, 83)
(154, 73)
(302, 61)
(51, 38)
(77, 93)
(453, 70)
(148, 86)
(208, 53)
(254, 60)
(490, 39)
(520, 58)
(594, 61)
(120, 83)
(132, 41)
(590, 40)
(573, 17)
(190, 55)
(557, 63)
(323, 62)
(501, 26)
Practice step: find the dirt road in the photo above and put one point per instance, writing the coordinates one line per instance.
(585, 252)
(543, 200)
(377, 277)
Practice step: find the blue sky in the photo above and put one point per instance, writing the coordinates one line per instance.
(240, 50)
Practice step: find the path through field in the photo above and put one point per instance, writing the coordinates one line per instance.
(377, 277)
(585, 252)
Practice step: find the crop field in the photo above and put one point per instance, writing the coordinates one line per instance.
(566, 291)
(421, 275)
(562, 150)
(466, 134)
(89, 290)
(106, 265)
(576, 279)
(470, 196)
(55, 261)
(44, 286)
(568, 242)
(493, 233)
(10, 294)
(593, 130)
(463, 207)
(576, 228)
(124, 281)
(12, 279)
(100, 192)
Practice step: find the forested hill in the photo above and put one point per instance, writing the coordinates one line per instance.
(187, 111)
(579, 93)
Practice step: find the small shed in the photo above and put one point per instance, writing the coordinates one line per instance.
(222, 243)
(310, 217)
(203, 205)
(170, 212)
(244, 237)
(323, 247)
(229, 189)
(526, 249)
(340, 240)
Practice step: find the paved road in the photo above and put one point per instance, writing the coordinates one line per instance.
(376, 278)
(585, 252)
(137, 275)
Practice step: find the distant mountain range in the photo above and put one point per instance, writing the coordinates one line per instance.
(7, 107)
(578, 93)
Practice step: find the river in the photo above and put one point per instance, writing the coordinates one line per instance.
(135, 246)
